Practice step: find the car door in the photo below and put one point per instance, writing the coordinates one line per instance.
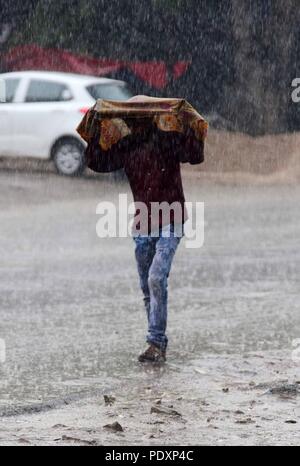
(40, 117)
(7, 108)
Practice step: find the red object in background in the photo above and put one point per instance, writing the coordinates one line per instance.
(180, 68)
(33, 57)
(153, 73)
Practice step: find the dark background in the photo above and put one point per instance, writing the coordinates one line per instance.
(244, 53)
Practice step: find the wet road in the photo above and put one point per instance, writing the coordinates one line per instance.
(71, 308)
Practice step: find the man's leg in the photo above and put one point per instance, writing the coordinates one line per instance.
(158, 284)
(144, 253)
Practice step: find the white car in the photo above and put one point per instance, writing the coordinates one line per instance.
(42, 110)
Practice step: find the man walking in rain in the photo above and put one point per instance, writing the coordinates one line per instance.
(149, 138)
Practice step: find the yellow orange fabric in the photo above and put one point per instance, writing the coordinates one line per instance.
(108, 118)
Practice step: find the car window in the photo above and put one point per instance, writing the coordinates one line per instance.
(109, 91)
(47, 91)
(11, 86)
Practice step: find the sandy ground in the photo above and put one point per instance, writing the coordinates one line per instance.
(73, 321)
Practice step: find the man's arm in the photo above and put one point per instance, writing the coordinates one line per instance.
(190, 149)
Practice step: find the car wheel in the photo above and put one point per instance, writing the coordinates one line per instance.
(68, 157)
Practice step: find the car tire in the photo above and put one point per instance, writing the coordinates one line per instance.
(68, 157)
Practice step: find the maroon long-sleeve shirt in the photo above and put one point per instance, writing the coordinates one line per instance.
(152, 166)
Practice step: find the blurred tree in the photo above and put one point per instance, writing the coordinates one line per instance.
(13, 15)
(266, 36)
(243, 54)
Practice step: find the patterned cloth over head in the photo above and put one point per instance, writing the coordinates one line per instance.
(112, 120)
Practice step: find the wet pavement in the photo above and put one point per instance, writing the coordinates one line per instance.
(73, 321)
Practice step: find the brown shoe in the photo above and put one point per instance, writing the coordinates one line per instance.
(153, 354)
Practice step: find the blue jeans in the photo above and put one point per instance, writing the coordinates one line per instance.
(154, 256)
